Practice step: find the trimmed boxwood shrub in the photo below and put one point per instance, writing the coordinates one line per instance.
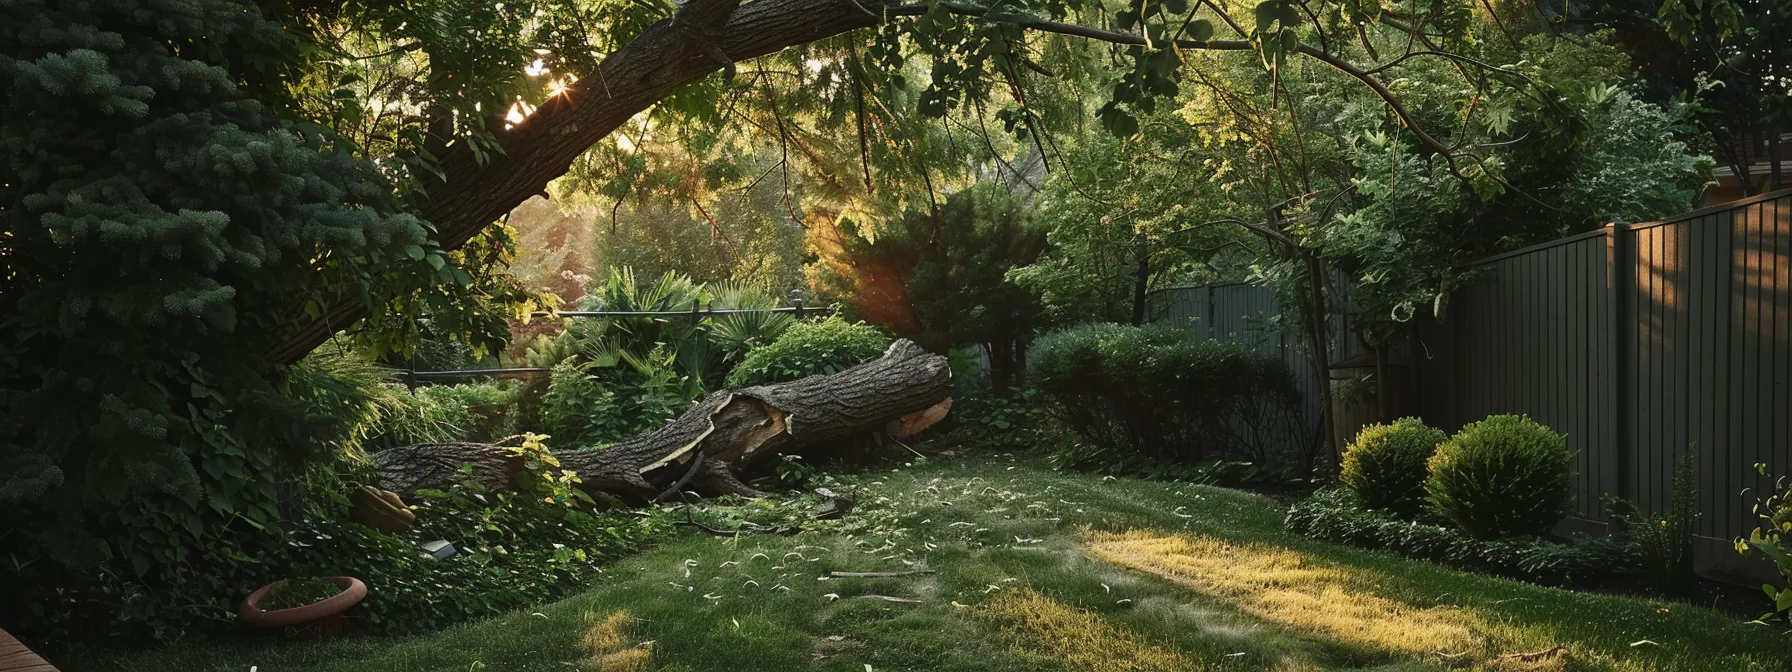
(1335, 515)
(1385, 466)
(1153, 394)
(1503, 476)
(827, 346)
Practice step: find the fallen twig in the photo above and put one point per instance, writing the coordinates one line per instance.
(875, 575)
(744, 527)
(1535, 656)
(886, 598)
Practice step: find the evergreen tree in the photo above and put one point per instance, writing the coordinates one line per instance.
(158, 215)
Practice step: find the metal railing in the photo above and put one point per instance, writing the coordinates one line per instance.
(695, 312)
(413, 376)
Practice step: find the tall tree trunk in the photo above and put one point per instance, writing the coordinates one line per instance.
(1141, 281)
(723, 438)
(1774, 171)
(1002, 364)
(1319, 341)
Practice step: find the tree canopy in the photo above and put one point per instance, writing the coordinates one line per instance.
(198, 193)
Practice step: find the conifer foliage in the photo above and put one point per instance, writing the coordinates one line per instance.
(157, 213)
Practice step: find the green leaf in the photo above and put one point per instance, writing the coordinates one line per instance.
(436, 261)
(1266, 15)
(414, 251)
(1176, 6)
(1121, 124)
(1200, 30)
(1289, 16)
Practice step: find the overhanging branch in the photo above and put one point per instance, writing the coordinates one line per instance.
(703, 37)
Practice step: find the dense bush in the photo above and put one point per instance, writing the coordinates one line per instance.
(1153, 394)
(826, 346)
(1503, 476)
(516, 549)
(170, 214)
(1385, 465)
(603, 402)
(1335, 515)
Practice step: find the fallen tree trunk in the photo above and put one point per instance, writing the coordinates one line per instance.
(725, 436)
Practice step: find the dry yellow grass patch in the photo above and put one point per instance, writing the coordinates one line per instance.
(607, 647)
(1078, 639)
(1283, 587)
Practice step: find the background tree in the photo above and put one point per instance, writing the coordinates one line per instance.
(160, 220)
(1725, 58)
(939, 277)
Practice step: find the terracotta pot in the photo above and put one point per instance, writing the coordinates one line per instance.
(380, 509)
(321, 618)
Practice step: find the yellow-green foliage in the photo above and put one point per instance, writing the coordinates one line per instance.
(1386, 465)
(1503, 476)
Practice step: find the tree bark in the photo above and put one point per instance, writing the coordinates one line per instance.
(1141, 281)
(723, 438)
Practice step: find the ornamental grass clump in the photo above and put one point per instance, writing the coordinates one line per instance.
(1386, 465)
(1503, 476)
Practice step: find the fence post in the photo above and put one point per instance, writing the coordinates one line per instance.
(1620, 269)
(1208, 318)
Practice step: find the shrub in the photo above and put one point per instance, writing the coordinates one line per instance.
(1152, 394)
(578, 409)
(1335, 515)
(515, 549)
(1503, 476)
(1386, 465)
(599, 403)
(827, 346)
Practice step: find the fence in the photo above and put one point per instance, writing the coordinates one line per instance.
(1251, 316)
(1639, 342)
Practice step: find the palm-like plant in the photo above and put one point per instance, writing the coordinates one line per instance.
(700, 347)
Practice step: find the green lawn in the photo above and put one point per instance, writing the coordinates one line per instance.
(1036, 570)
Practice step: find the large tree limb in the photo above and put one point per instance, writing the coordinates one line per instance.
(727, 435)
(668, 55)
(704, 36)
